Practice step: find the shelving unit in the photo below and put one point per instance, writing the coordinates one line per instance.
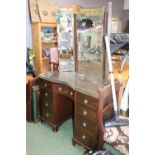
(41, 62)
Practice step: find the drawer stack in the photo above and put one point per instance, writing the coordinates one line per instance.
(85, 132)
(46, 101)
(56, 103)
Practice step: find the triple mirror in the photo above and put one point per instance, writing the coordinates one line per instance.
(89, 42)
(88, 50)
(65, 28)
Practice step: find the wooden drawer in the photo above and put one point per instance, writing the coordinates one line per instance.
(64, 90)
(85, 112)
(46, 99)
(84, 137)
(45, 84)
(85, 124)
(46, 95)
(48, 106)
(86, 100)
(46, 115)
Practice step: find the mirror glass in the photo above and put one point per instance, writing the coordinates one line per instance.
(65, 29)
(90, 34)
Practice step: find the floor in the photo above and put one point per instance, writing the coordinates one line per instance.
(41, 140)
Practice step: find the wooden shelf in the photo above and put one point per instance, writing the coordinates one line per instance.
(44, 58)
(48, 24)
(48, 42)
(42, 63)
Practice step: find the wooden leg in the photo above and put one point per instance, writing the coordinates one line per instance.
(73, 143)
(55, 129)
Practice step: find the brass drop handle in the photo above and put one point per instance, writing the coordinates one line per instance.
(84, 112)
(85, 101)
(46, 94)
(83, 137)
(47, 115)
(46, 104)
(84, 124)
(60, 89)
(71, 93)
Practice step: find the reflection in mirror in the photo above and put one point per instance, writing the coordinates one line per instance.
(90, 33)
(65, 28)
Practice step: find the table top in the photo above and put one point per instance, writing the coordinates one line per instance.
(75, 80)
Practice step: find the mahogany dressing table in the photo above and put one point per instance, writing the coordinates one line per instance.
(70, 94)
(75, 94)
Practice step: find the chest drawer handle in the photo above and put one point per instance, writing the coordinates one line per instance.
(83, 137)
(84, 112)
(45, 84)
(46, 94)
(85, 101)
(47, 115)
(71, 93)
(60, 89)
(46, 104)
(84, 124)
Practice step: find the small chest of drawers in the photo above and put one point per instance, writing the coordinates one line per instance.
(55, 107)
(60, 101)
(85, 120)
(46, 101)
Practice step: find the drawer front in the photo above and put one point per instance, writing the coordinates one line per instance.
(46, 100)
(45, 84)
(86, 100)
(64, 90)
(85, 112)
(84, 137)
(86, 124)
(46, 105)
(46, 94)
(48, 116)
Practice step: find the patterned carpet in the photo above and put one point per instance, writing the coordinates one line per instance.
(41, 140)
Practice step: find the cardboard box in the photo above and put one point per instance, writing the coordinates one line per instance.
(47, 12)
(34, 13)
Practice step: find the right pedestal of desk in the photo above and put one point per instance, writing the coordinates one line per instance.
(85, 125)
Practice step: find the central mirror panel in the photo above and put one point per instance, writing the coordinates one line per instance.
(65, 28)
(89, 38)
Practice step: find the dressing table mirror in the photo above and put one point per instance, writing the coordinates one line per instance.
(89, 43)
(65, 28)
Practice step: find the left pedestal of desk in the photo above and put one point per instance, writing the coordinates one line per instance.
(56, 103)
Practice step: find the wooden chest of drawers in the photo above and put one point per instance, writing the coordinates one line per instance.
(46, 103)
(55, 107)
(86, 130)
(59, 101)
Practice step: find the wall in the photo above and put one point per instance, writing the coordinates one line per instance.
(126, 4)
(117, 11)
